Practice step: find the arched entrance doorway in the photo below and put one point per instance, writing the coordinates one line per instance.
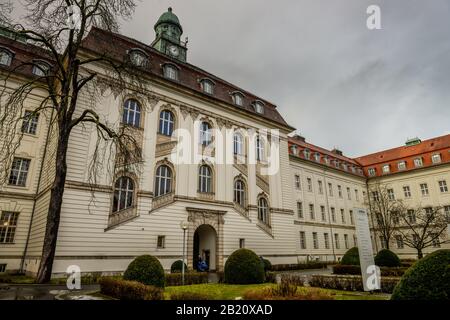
(205, 246)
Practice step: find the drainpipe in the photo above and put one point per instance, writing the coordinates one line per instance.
(371, 217)
(22, 261)
(325, 185)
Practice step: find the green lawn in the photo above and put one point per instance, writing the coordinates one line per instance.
(231, 292)
(16, 279)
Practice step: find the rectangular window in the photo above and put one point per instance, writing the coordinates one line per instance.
(330, 189)
(391, 195)
(436, 241)
(30, 122)
(336, 241)
(375, 196)
(8, 224)
(322, 212)
(300, 210)
(355, 240)
(19, 172)
(436, 158)
(241, 243)
(443, 186)
(407, 192)
(447, 213)
(371, 172)
(401, 165)
(310, 186)
(424, 189)
(399, 240)
(320, 184)
(161, 242)
(356, 195)
(346, 241)
(333, 215)
(418, 162)
(326, 239)
(386, 169)
(383, 242)
(315, 240)
(349, 195)
(312, 214)
(340, 191)
(411, 216)
(2, 268)
(298, 184)
(343, 216)
(352, 221)
(302, 240)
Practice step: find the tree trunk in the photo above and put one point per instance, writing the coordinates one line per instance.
(54, 210)
(419, 254)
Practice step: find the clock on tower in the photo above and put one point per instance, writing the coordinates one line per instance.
(168, 36)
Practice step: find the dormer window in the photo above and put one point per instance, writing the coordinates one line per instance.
(5, 57)
(138, 58)
(336, 164)
(402, 165)
(171, 72)
(294, 149)
(41, 68)
(317, 157)
(306, 153)
(436, 158)
(386, 169)
(207, 86)
(418, 162)
(345, 166)
(238, 99)
(259, 107)
(372, 172)
(326, 160)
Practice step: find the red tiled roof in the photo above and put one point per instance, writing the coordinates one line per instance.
(116, 46)
(425, 150)
(302, 145)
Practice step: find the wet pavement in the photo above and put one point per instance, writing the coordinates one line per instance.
(38, 292)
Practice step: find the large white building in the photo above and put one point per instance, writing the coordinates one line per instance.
(300, 211)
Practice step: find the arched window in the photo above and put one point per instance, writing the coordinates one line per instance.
(166, 123)
(123, 194)
(205, 179)
(138, 58)
(163, 182)
(259, 149)
(263, 210)
(238, 144)
(5, 57)
(239, 192)
(40, 68)
(132, 113)
(259, 107)
(207, 86)
(205, 133)
(238, 99)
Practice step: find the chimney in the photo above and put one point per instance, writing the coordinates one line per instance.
(337, 151)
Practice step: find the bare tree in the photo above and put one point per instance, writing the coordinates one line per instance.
(57, 28)
(383, 209)
(421, 227)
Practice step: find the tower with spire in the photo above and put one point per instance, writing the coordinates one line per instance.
(168, 36)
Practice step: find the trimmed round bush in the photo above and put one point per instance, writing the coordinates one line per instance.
(267, 265)
(427, 279)
(177, 267)
(351, 257)
(147, 270)
(244, 267)
(386, 258)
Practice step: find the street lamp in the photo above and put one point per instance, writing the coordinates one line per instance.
(184, 225)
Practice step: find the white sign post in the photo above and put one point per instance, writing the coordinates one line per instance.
(369, 271)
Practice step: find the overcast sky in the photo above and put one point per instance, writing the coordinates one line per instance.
(340, 84)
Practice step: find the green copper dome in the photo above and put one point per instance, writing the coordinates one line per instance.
(170, 18)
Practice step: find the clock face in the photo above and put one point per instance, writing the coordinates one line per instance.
(174, 51)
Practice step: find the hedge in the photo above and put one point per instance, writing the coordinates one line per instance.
(177, 267)
(351, 257)
(356, 270)
(129, 290)
(298, 266)
(244, 267)
(190, 278)
(387, 258)
(147, 270)
(427, 279)
(349, 282)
